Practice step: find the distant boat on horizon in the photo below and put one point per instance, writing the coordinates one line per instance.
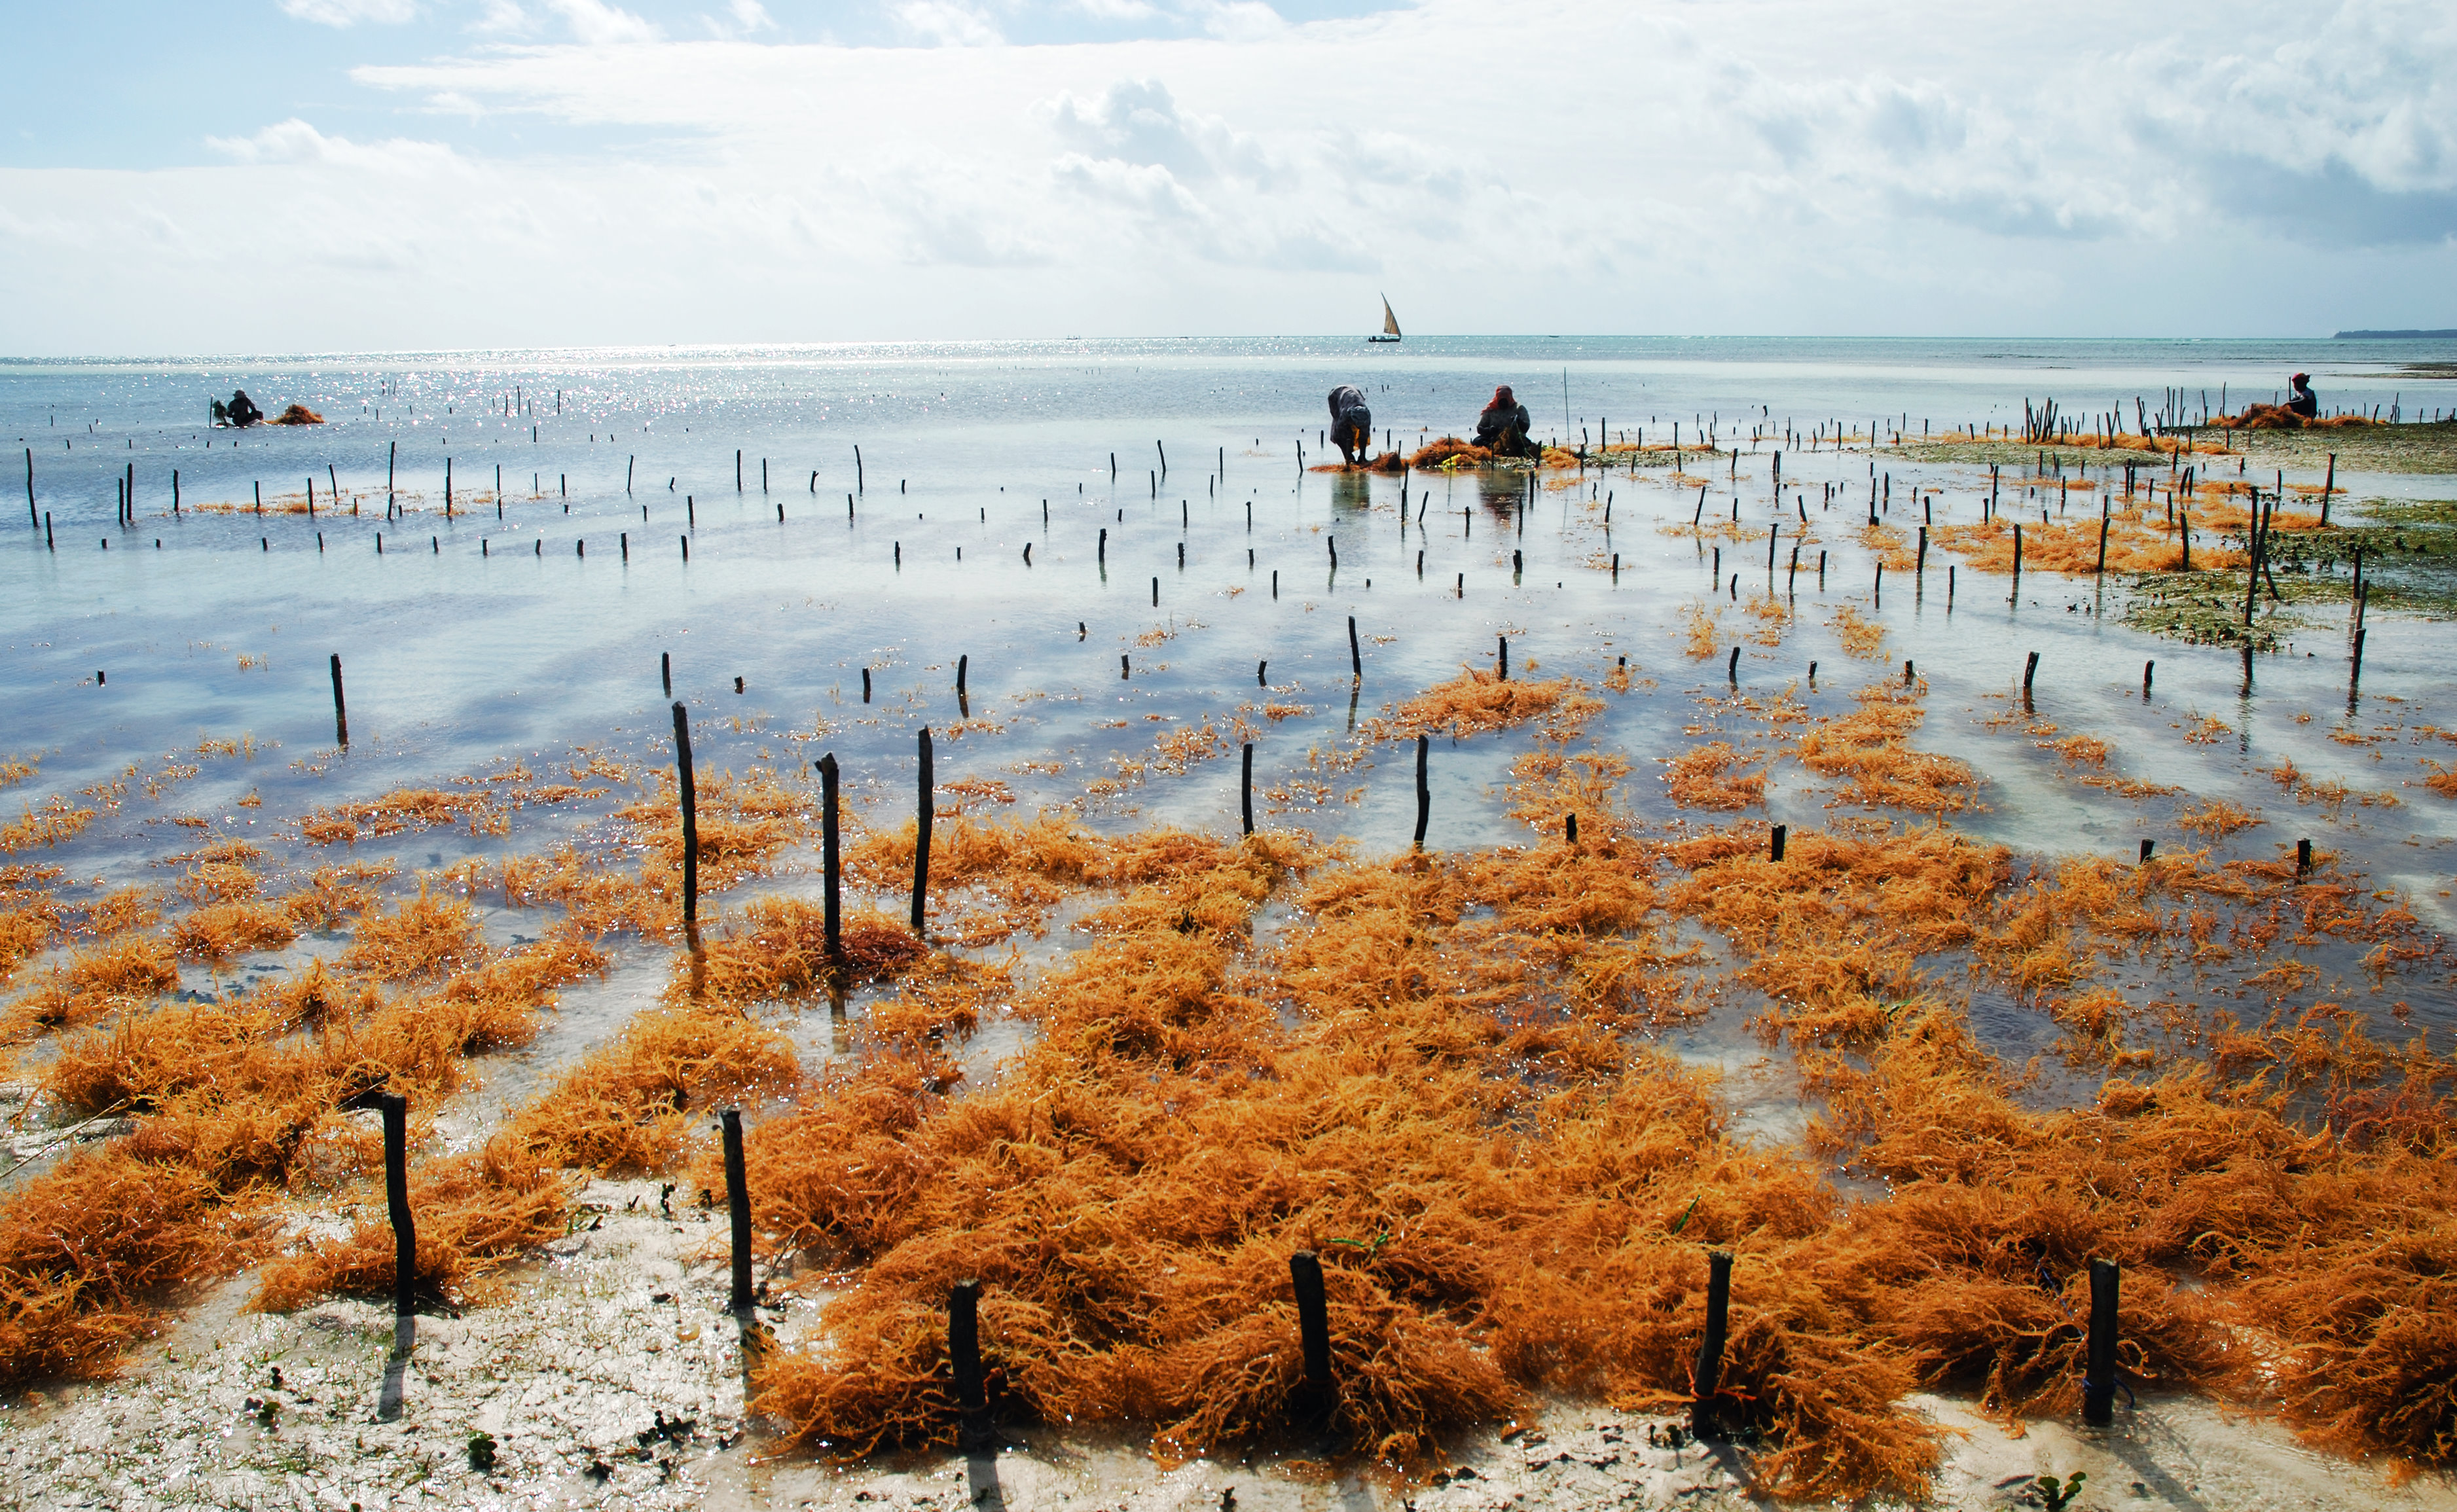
(1390, 324)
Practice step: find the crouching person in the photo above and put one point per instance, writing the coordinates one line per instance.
(1352, 424)
(1502, 428)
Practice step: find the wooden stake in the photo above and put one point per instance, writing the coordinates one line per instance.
(1706, 1376)
(1318, 1396)
(922, 833)
(341, 710)
(2098, 1384)
(830, 860)
(737, 1208)
(1424, 793)
(405, 1227)
(964, 1364)
(1246, 796)
(689, 797)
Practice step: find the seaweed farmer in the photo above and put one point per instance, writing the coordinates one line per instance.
(242, 411)
(1502, 427)
(1352, 424)
(2300, 398)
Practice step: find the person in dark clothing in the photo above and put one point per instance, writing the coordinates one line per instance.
(1352, 424)
(2300, 398)
(1502, 427)
(242, 410)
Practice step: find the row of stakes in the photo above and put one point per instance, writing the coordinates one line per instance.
(1313, 1406)
(2354, 674)
(928, 781)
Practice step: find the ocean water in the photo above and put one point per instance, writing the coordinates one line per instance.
(871, 507)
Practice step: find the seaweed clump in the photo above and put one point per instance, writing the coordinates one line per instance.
(2279, 417)
(1475, 1171)
(1473, 703)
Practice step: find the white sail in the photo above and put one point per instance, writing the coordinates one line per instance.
(1390, 321)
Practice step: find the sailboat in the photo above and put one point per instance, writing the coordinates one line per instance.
(1390, 324)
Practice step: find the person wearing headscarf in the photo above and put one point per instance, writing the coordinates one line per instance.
(2300, 398)
(1352, 424)
(1502, 427)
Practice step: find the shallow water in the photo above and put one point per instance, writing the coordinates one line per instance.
(472, 639)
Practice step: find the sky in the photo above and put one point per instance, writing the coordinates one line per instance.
(335, 176)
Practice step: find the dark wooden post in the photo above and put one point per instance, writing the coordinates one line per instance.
(691, 816)
(964, 1362)
(341, 710)
(1502, 660)
(921, 835)
(2098, 1384)
(1424, 793)
(1246, 796)
(1317, 1396)
(405, 1228)
(738, 1207)
(1707, 1376)
(1781, 833)
(830, 859)
(1355, 657)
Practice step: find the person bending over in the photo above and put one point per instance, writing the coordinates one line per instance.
(1502, 427)
(1352, 424)
(2300, 398)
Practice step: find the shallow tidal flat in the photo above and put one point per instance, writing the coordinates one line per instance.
(2041, 971)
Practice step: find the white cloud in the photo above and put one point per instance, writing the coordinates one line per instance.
(743, 19)
(594, 23)
(947, 23)
(504, 18)
(1239, 20)
(350, 13)
(1139, 121)
(1114, 10)
(296, 143)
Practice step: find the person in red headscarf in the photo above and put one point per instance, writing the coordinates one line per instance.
(2300, 398)
(1502, 427)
